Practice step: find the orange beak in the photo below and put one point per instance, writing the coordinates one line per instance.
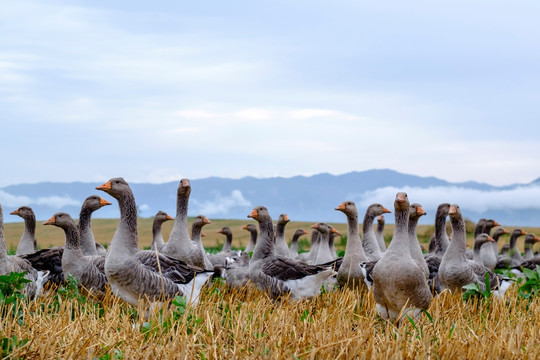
(341, 206)
(420, 211)
(523, 232)
(254, 214)
(452, 211)
(490, 238)
(203, 234)
(244, 227)
(14, 212)
(105, 187)
(169, 217)
(495, 223)
(335, 231)
(536, 238)
(104, 202)
(286, 217)
(400, 198)
(315, 226)
(506, 231)
(220, 231)
(184, 182)
(385, 210)
(51, 221)
(305, 232)
(206, 220)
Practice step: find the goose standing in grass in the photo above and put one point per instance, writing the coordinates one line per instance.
(135, 274)
(10, 263)
(515, 255)
(489, 253)
(89, 270)
(293, 250)
(226, 255)
(281, 247)
(196, 235)
(157, 236)
(324, 254)
(179, 246)
(253, 232)
(530, 240)
(88, 242)
(438, 245)
(228, 238)
(27, 243)
(310, 256)
(379, 233)
(456, 270)
(279, 275)
(350, 273)
(479, 241)
(369, 241)
(415, 213)
(399, 284)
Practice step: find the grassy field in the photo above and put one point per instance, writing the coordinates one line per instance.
(247, 324)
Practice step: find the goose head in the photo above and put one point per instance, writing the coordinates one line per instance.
(260, 213)
(283, 219)
(250, 227)
(531, 239)
(184, 188)
(454, 211)
(416, 211)
(402, 201)
(348, 208)
(162, 216)
(202, 220)
(95, 202)
(116, 187)
(60, 219)
(376, 210)
(225, 230)
(24, 212)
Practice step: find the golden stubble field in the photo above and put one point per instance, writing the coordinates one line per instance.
(247, 324)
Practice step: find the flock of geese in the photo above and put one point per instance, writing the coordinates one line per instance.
(402, 278)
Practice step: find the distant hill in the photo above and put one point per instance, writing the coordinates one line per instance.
(309, 198)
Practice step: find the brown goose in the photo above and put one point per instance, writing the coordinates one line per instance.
(456, 270)
(350, 273)
(135, 274)
(252, 228)
(281, 247)
(379, 233)
(279, 275)
(88, 242)
(27, 243)
(88, 270)
(179, 246)
(369, 241)
(488, 256)
(157, 236)
(399, 284)
(9, 263)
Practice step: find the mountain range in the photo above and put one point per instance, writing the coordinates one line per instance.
(303, 198)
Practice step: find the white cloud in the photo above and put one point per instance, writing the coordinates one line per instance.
(318, 113)
(478, 201)
(55, 202)
(220, 204)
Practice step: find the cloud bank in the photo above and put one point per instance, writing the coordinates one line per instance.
(220, 205)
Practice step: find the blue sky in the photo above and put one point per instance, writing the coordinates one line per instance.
(156, 91)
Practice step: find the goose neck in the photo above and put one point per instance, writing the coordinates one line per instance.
(265, 244)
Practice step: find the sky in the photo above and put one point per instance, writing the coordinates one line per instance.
(158, 91)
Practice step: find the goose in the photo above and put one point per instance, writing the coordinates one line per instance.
(88, 242)
(324, 254)
(89, 270)
(157, 236)
(136, 274)
(333, 235)
(437, 247)
(399, 284)
(310, 256)
(369, 241)
(179, 246)
(27, 243)
(488, 256)
(293, 250)
(515, 254)
(252, 228)
(379, 233)
(479, 241)
(530, 240)
(350, 273)
(225, 256)
(196, 235)
(281, 247)
(278, 275)
(456, 270)
(415, 212)
(10, 263)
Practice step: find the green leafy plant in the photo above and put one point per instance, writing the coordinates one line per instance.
(10, 344)
(530, 285)
(475, 290)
